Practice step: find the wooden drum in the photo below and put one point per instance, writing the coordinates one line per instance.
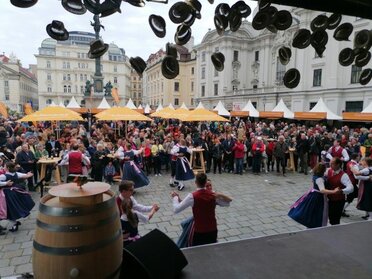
(78, 233)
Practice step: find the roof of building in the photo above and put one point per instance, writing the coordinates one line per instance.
(4, 58)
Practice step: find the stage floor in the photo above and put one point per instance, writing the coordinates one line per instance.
(339, 252)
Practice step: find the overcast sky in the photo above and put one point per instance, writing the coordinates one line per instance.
(23, 30)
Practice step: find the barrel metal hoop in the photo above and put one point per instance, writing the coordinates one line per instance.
(75, 211)
(77, 227)
(72, 251)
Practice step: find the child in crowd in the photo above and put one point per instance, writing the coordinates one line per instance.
(109, 172)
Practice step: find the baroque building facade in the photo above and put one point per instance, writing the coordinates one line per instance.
(136, 89)
(252, 69)
(63, 68)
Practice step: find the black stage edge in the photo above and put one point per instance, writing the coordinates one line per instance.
(340, 252)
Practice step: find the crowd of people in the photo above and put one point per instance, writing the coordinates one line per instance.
(108, 152)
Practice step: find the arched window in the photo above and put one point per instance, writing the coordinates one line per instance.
(69, 89)
(49, 101)
(65, 89)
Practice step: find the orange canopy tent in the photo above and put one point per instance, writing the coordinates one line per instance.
(53, 113)
(202, 114)
(121, 113)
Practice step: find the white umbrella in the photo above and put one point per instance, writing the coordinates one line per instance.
(221, 110)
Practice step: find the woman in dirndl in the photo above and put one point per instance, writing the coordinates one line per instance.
(365, 187)
(15, 202)
(183, 168)
(130, 170)
(311, 210)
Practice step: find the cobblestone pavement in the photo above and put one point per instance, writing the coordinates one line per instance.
(259, 208)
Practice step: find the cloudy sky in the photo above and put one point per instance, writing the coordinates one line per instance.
(23, 30)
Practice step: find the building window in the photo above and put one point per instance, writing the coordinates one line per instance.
(68, 65)
(48, 64)
(83, 65)
(254, 86)
(116, 69)
(81, 89)
(65, 88)
(6, 97)
(355, 74)
(354, 106)
(85, 77)
(311, 105)
(49, 76)
(79, 65)
(192, 86)
(192, 70)
(49, 89)
(176, 86)
(69, 89)
(81, 77)
(257, 56)
(115, 79)
(317, 79)
(236, 55)
(215, 89)
(68, 77)
(76, 77)
(176, 101)
(48, 101)
(64, 77)
(280, 71)
(64, 65)
(203, 73)
(254, 104)
(203, 56)
(134, 86)
(203, 90)
(139, 94)
(6, 83)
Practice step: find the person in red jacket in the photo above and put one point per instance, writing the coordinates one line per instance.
(239, 156)
(258, 148)
(203, 203)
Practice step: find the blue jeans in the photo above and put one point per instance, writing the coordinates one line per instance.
(239, 165)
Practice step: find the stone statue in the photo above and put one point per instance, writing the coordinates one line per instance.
(108, 88)
(88, 86)
(97, 24)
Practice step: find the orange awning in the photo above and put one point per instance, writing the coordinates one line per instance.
(310, 115)
(357, 116)
(85, 110)
(239, 113)
(271, 114)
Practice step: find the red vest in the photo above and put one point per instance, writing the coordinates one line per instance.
(119, 202)
(334, 181)
(337, 153)
(74, 163)
(349, 165)
(204, 211)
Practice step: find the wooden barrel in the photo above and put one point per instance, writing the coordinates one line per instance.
(83, 241)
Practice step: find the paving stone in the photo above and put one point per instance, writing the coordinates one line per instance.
(24, 268)
(7, 271)
(4, 263)
(20, 260)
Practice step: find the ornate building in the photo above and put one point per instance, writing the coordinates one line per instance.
(253, 71)
(63, 68)
(159, 90)
(136, 89)
(17, 84)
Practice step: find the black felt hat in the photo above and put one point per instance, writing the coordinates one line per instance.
(285, 55)
(283, 20)
(157, 24)
(261, 20)
(319, 38)
(222, 9)
(363, 39)
(365, 76)
(97, 49)
(171, 50)
(170, 67)
(302, 39)
(92, 6)
(179, 12)
(333, 21)
(189, 21)
(292, 78)
(343, 32)
(243, 8)
(57, 30)
(136, 3)
(138, 64)
(182, 35)
(74, 6)
(196, 6)
(218, 60)
(23, 3)
(220, 22)
(110, 7)
(235, 20)
(319, 22)
(363, 58)
(263, 4)
(346, 57)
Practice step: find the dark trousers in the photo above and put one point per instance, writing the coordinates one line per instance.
(208, 158)
(239, 165)
(280, 162)
(204, 238)
(270, 162)
(303, 162)
(257, 162)
(335, 209)
(97, 172)
(147, 163)
(217, 163)
(229, 162)
(157, 164)
(173, 168)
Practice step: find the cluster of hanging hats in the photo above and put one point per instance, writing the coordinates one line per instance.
(225, 16)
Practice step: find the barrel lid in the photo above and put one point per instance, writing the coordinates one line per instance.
(71, 190)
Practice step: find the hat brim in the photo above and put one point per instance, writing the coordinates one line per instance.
(365, 77)
(346, 57)
(178, 13)
(334, 21)
(170, 67)
(182, 38)
(343, 32)
(302, 39)
(157, 24)
(292, 78)
(363, 59)
(261, 20)
(55, 36)
(74, 9)
(97, 54)
(23, 4)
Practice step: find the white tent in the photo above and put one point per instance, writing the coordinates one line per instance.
(368, 109)
(160, 107)
(253, 112)
(61, 104)
(104, 104)
(183, 106)
(200, 106)
(171, 106)
(322, 107)
(281, 106)
(140, 107)
(73, 103)
(221, 110)
(53, 104)
(147, 109)
(130, 104)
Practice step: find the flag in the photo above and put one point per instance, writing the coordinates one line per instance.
(115, 95)
(27, 107)
(3, 110)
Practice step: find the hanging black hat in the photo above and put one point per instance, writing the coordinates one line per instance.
(57, 30)
(171, 50)
(363, 58)
(243, 8)
(346, 57)
(235, 20)
(272, 12)
(319, 38)
(292, 78)
(189, 21)
(261, 20)
(138, 64)
(179, 12)
(320, 50)
(196, 6)
(157, 24)
(365, 76)
(182, 35)
(283, 20)
(92, 6)
(220, 22)
(319, 22)
(222, 9)
(23, 3)
(333, 21)
(343, 32)
(218, 60)
(109, 7)
(285, 55)
(170, 67)
(74, 6)
(263, 4)
(97, 49)
(136, 3)
(363, 39)
(301, 39)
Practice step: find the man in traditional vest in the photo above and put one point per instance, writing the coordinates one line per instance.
(350, 166)
(337, 178)
(75, 160)
(203, 203)
(337, 151)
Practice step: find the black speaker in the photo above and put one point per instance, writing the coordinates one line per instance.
(153, 256)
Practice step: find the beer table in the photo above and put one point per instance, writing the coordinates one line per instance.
(193, 160)
(44, 162)
(291, 160)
